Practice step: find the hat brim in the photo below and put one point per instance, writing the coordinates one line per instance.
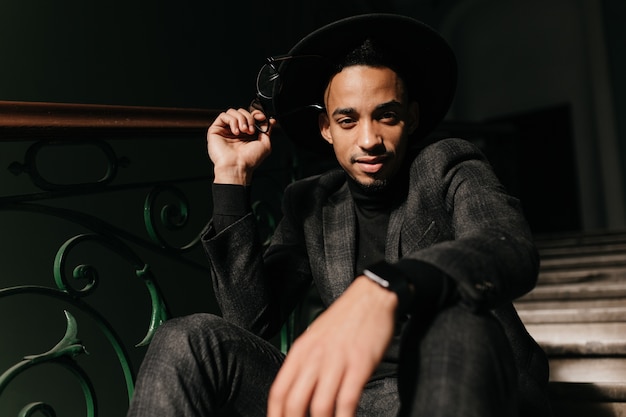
(427, 62)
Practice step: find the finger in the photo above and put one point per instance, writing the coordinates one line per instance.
(292, 400)
(293, 387)
(249, 121)
(290, 397)
(225, 124)
(350, 391)
(240, 121)
(244, 120)
(324, 399)
(298, 400)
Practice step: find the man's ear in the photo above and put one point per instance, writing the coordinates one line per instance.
(324, 124)
(413, 118)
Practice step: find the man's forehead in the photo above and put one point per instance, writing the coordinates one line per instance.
(359, 80)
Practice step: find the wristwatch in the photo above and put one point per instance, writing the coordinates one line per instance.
(392, 279)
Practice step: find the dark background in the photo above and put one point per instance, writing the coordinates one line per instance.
(516, 61)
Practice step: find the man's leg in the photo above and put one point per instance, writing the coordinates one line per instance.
(458, 364)
(380, 399)
(202, 365)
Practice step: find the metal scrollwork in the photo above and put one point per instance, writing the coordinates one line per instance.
(69, 347)
(159, 310)
(62, 353)
(31, 167)
(173, 216)
(81, 272)
(38, 407)
(89, 273)
(68, 161)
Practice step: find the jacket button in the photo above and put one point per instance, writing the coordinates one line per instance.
(484, 286)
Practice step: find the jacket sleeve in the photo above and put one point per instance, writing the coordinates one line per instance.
(485, 245)
(257, 288)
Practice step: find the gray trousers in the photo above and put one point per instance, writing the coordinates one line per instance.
(457, 364)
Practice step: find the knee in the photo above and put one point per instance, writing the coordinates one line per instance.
(462, 349)
(475, 340)
(179, 336)
(459, 325)
(458, 336)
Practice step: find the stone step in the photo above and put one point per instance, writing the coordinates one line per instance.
(588, 399)
(556, 247)
(577, 313)
(573, 260)
(581, 304)
(582, 257)
(588, 387)
(580, 339)
(609, 372)
(588, 391)
(567, 276)
(598, 289)
(588, 267)
(583, 250)
(535, 315)
(601, 251)
(578, 239)
(574, 408)
(583, 266)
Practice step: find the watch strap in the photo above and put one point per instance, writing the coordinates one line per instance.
(392, 279)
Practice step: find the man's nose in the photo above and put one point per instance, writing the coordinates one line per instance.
(369, 137)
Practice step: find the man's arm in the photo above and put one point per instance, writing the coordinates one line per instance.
(236, 150)
(483, 243)
(328, 366)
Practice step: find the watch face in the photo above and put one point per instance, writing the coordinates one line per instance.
(376, 278)
(385, 273)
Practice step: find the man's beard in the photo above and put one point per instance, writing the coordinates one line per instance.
(375, 186)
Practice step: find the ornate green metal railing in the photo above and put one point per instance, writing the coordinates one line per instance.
(100, 212)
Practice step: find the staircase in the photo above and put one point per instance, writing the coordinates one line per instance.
(577, 313)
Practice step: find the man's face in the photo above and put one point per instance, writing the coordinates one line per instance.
(367, 121)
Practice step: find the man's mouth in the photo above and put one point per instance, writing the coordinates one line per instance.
(371, 164)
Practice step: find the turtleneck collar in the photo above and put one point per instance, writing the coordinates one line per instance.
(381, 198)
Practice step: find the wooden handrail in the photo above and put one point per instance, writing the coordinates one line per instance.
(27, 119)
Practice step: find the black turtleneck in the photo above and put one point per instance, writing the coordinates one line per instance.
(373, 208)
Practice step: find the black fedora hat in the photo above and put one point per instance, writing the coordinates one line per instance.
(419, 54)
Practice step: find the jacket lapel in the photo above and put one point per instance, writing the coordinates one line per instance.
(339, 228)
(392, 245)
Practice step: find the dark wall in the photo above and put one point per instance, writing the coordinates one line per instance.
(614, 17)
(190, 53)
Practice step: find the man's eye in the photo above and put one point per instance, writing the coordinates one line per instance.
(346, 122)
(390, 117)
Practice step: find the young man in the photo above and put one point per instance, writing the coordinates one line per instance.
(416, 250)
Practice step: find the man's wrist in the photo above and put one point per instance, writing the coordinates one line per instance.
(231, 175)
(393, 280)
(384, 297)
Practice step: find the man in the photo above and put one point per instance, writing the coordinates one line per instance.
(416, 251)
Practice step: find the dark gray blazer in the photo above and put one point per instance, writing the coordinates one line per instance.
(456, 217)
